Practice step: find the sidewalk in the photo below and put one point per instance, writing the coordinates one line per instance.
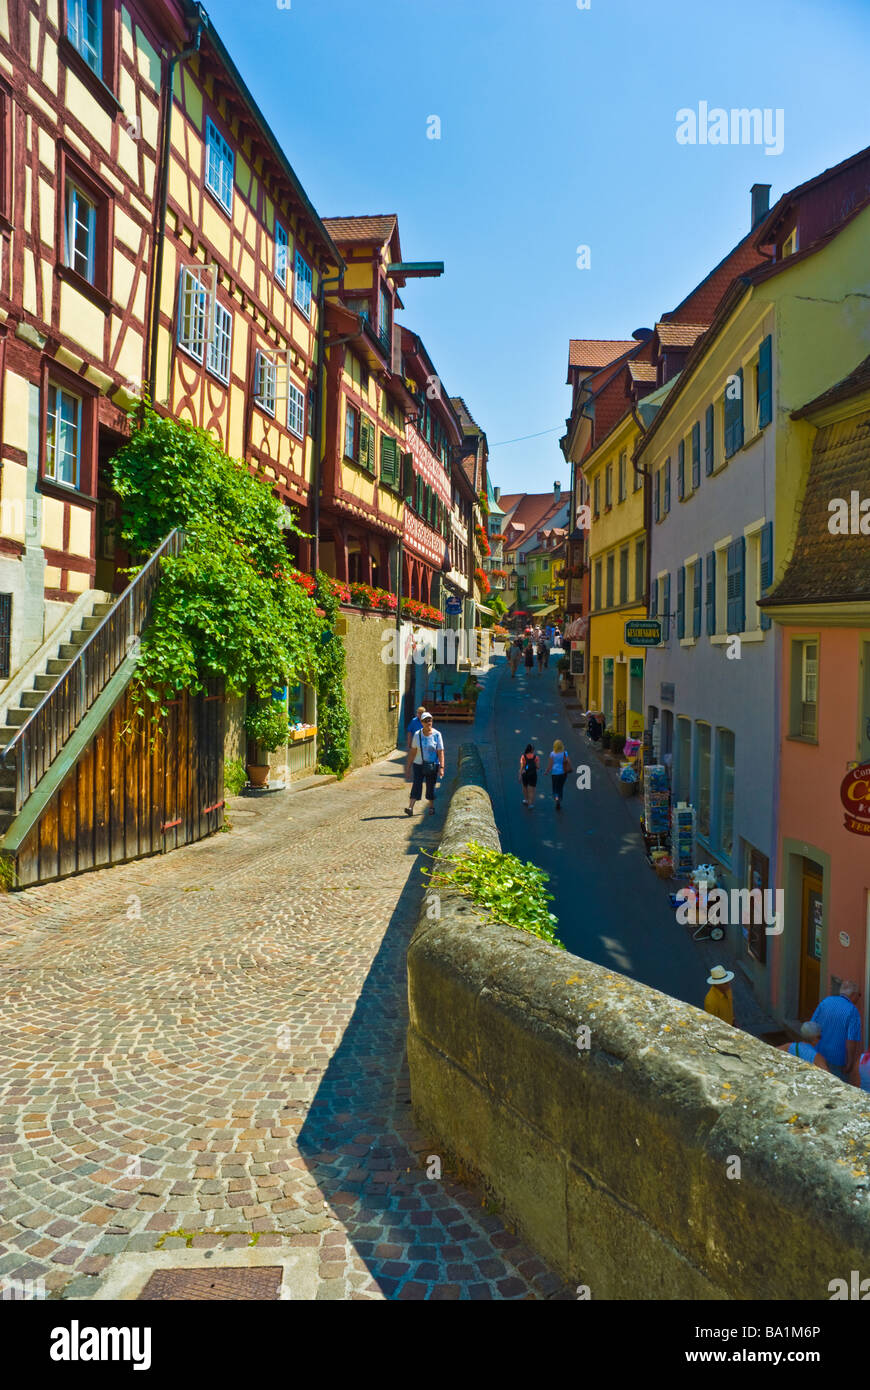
(205, 1063)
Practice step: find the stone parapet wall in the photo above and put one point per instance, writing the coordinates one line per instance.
(619, 1161)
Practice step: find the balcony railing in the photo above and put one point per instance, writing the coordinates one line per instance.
(48, 727)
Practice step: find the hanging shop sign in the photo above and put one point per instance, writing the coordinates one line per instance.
(855, 796)
(643, 632)
(453, 606)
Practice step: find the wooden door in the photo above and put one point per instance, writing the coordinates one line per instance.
(811, 943)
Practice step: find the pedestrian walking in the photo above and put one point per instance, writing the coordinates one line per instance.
(425, 762)
(840, 1022)
(516, 653)
(529, 764)
(415, 724)
(542, 652)
(558, 766)
(529, 656)
(720, 1001)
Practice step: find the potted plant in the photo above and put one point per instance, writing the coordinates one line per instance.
(266, 724)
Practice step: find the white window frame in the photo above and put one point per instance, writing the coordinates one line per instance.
(224, 163)
(282, 248)
(720, 549)
(196, 309)
(302, 284)
(265, 382)
(81, 13)
(76, 196)
(752, 576)
(295, 411)
(218, 354)
(51, 436)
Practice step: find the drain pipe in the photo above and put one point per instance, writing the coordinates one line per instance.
(160, 225)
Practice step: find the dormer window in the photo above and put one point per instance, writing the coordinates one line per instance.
(790, 245)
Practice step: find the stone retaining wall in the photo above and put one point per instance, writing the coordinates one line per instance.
(619, 1162)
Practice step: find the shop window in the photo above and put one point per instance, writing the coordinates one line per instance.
(725, 791)
(703, 780)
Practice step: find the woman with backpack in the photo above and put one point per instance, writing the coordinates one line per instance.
(529, 764)
(559, 765)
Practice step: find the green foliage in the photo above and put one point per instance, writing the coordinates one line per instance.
(7, 873)
(333, 716)
(512, 892)
(564, 666)
(267, 724)
(235, 776)
(226, 605)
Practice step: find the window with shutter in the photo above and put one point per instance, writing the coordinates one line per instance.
(734, 416)
(681, 470)
(654, 598)
(766, 566)
(639, 570)
(681, 602)
(657, 495)
(696, 604)
(764, 384)
(711, 593)
(696, 455)
(596, 494)
(388, 460)
(709, 447)
(666, 608)
(735, 585)
(666, 502)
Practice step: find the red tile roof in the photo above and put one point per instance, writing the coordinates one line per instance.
(532, 512)
(378, 228)
(597, 352)
(679, 335)
(642, 371)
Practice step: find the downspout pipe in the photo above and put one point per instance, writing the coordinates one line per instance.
(160, 225)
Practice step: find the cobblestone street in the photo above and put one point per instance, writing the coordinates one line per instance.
(205, 1052)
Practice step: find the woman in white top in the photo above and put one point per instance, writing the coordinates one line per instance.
(425, 763)
(558, 766)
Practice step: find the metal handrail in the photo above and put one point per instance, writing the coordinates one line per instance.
(49, 725)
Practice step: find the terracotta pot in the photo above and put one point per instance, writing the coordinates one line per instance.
(258, 774)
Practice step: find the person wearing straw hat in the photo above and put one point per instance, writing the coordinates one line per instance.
(719, 1001)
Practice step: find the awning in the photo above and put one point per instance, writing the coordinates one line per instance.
(490, 612)
(541, 610)
(576, 631)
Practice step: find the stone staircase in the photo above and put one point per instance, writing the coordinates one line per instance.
(26, 702)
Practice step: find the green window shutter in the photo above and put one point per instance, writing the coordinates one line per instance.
(657, 494)
(408, 478)
(666, 501)
(711, 593)
(738, 420)
(653, 598)
(709, 426)
(696, 604)
(666, 608)
(765, 384)
(696, 455)
(681, 469)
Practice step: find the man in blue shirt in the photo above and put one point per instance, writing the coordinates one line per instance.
(840, 1022)
(415, 725)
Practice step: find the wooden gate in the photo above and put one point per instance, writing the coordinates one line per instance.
(135, 789)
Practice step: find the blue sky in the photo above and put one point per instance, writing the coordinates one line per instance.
(558, 129)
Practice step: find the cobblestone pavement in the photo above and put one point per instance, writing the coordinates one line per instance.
(206, 1050)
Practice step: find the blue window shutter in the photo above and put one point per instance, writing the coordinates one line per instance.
(666, 505)
(681, 469)
(728, 411)
(657, 494)
(731, 588)
(738, 415)
(736, 563)
(709, 425)
(666, 608)
(696, 605)
(711, 593)
(765, 384)
(696, 455)
(766, 566)
(681, 602)
(653, 598)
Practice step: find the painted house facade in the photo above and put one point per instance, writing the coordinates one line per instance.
(724, 478)
(434, 436)
(820, 606)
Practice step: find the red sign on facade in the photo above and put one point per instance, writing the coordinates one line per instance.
(855, 796)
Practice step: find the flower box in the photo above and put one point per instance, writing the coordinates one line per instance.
(297, 735)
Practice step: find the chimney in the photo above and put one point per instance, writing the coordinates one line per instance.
(760, 193)
(496, 492)
(557, 492)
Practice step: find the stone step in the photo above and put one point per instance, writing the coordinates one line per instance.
(56, 667)
(16, 717)
(80, 636)
(45, 682)
(101, 609)
(7, 799)
(67, 650)
(31, 698)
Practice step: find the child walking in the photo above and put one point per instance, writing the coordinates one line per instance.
(529, 764)
(559, 765)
